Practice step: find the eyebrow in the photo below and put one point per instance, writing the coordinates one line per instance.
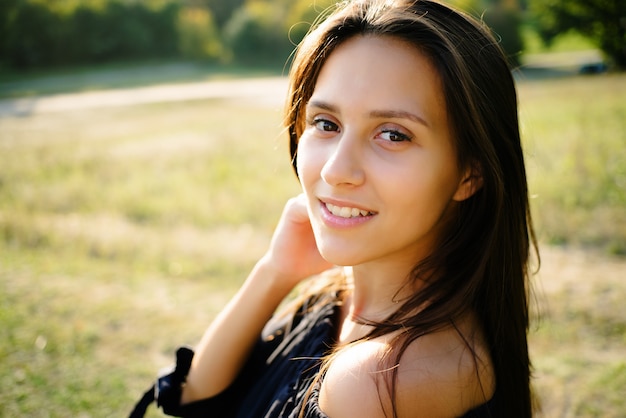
(385, 114)
(398, 114)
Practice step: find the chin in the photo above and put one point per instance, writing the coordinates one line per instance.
(341, 258)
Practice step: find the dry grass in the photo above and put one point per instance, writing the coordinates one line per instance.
(579, 344)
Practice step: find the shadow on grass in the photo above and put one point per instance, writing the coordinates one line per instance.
(121, 75)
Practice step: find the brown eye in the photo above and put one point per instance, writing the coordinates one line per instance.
(394, 136)
(325, 125)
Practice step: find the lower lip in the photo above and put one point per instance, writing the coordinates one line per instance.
(335, 221)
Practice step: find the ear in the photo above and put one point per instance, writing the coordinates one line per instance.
(471, 182)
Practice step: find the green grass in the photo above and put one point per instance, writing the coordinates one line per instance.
(124, 230)
(578, 347)
(575, 134)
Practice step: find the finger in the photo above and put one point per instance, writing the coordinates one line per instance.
(297, 209)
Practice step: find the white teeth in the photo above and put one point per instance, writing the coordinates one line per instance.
(346, 212)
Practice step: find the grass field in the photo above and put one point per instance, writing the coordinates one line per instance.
(124, 230)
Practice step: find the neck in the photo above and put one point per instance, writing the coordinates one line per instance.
(378, 290)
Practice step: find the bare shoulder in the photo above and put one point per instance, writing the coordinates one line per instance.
(438, 376)
(350, 386)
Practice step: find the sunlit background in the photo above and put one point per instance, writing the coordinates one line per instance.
(143, 166)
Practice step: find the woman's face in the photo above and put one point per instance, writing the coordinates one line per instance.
(376, 159)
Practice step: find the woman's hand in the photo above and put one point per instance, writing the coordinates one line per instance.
(226, 344)
(293, 253)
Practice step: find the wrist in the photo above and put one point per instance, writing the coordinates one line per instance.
(278, 281)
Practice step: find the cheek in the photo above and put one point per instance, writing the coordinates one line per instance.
(308, 162)
(422, 186)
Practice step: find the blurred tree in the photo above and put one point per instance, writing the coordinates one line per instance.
(94, 43)
(256, 34)
(504, 17)
(470, 6)
(7, 8)
(32, 35)
(266, 31)
(221, 10)
(198, 37)
(302, 14)
(603, 21)
(123, 30)
(39, 33)
(164, 21)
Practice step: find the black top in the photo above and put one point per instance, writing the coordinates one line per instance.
(277, 379)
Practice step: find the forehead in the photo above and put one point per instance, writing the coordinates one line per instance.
(375, 71)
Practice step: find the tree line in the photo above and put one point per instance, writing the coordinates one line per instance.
(45, 33)
(602, 21)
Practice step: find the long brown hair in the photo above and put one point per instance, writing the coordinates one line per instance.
(481, 262)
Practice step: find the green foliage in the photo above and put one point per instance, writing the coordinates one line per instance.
(566, 42)
(603, 21)
(39, 35)
(222, 10)
(34, 35)
(43, 34)
(503, 18)
(198, 35)
(303, 14)
(506, 23)
(256, 34)
(124, 30)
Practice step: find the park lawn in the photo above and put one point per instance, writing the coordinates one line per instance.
(123, 231)
(574, 130)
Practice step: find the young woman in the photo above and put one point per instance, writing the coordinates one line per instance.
(404, 135)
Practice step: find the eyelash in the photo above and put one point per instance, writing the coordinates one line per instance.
(402, 137)
(315, 122)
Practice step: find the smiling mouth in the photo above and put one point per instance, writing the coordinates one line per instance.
(347, 212)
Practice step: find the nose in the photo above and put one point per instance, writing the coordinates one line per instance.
(344, 165)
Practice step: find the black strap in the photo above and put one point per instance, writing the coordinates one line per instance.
(168, 387)
(140, 408)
